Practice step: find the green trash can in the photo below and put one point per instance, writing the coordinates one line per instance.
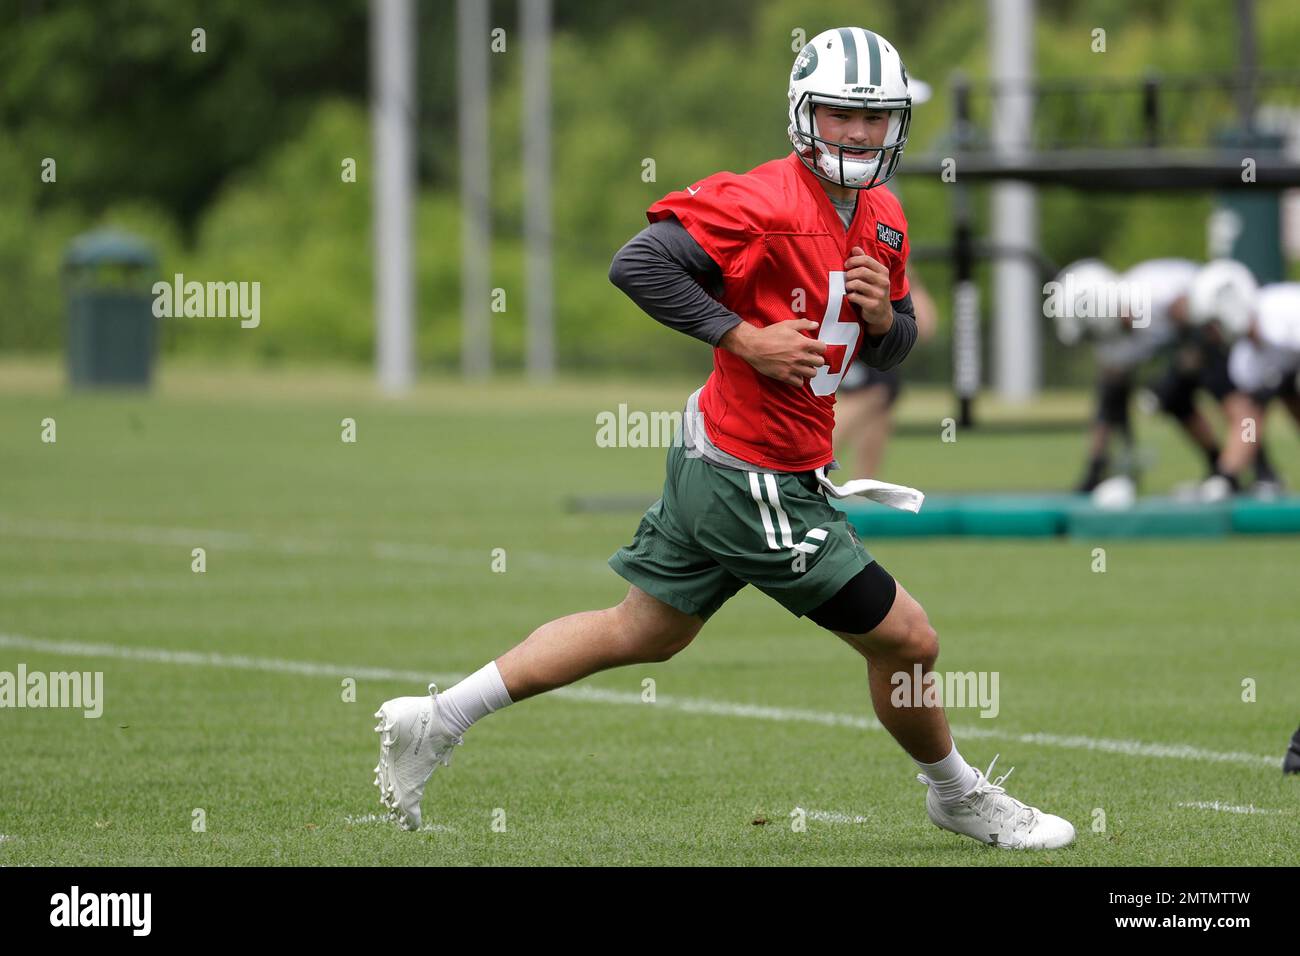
(1248, 222)
(112, 332)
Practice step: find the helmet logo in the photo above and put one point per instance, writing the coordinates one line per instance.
(805, 63)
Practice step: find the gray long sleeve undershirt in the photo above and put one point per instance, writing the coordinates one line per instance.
(670, 276)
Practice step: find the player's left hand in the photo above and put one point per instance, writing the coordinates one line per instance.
(866, 283)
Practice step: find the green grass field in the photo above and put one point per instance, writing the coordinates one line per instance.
(1121, 692)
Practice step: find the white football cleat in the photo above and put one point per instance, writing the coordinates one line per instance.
(413, 740)
(991, 815)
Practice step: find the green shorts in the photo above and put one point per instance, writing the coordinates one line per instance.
(717, 529)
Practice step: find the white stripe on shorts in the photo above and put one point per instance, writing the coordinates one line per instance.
(762, 510)
(787, 538)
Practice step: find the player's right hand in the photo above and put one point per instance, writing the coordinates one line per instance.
(781, 350)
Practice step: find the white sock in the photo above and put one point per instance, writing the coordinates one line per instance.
(952, 777)
(473, 698)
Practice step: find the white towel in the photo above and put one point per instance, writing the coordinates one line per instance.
(896, 496)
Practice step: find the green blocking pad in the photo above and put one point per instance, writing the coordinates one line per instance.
(872, 520)
(1266, 517)
(1021, 516)
(1028, 515)
(1045, 515)
(1150, 518)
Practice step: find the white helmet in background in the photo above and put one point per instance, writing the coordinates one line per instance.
(1223, 293)
(1085, 293)
(850, 68)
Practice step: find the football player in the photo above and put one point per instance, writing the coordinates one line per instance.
(1125, 340)
(1085, 310)
(1199, 362)
(1262, 325)
(805, 259)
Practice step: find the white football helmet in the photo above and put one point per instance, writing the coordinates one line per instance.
(851, 68)
(1223, 293)
(1086, 286)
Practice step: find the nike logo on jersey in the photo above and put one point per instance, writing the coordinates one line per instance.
(692, 191)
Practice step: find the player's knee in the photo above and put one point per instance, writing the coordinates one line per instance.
(666, 645)
(650, 633)
(916, 642)
(923, 643)
(659, 641)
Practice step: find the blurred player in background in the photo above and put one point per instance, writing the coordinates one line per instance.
(1126, 330)
(1145, 316)
(1199, 362)
(1262, 327)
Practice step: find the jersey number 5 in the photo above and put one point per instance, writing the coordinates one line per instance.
(834, 332)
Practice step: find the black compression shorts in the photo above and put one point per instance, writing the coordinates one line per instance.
(859, 606)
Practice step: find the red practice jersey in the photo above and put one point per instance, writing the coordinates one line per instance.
(781, 247)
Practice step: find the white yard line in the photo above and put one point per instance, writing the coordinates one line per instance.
(213, 540)
(159, 655)
(1228, 808)
(689, 705)
(833, 816)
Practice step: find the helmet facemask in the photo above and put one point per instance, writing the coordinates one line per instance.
(875, 166)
